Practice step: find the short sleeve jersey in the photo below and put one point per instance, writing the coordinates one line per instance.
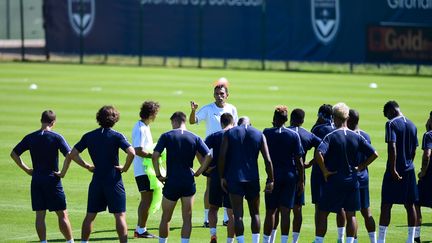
(321, 131)
(103, 145)
(284, 145)
(339, 149)
(181, 147)
(363, 176)
(403, 133)
(43, 147)
(427, 144)
(141, 137)
(214, 141)
(308, 139)
(241, 162)
(211, 115)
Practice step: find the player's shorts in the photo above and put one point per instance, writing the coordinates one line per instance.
(364, 197)
(337, 195)
(249, 190)
(317, 181)
(143, 183)
(217, 196)
(424, 190)
(47, 194)
(175, 190)
(399, 192)
(283, 194)
(102, 194)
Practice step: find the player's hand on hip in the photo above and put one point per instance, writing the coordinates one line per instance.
(224, 185)
(327, 174)
(29, 172)
(194, 106)
(421, 174)
(161, 178)
(90, 168)
(59, 174)
(120, 168)
(269, 187)
(396, 175)
(300, 187)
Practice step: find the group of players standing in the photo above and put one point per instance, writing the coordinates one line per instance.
(229, 157)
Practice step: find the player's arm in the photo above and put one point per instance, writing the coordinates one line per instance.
(319, 159)
(74, 155)
(221, 162)
(425, 163)
(21, 163)
(141, 153)
(204, 165)
(268, 165)
(130, 151)
(368, 161)
(300, 168)
(194, 107)
(391, 151)
(155, 161)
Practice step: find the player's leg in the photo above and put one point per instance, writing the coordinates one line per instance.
(206, 203)
(40, 224)
(167, 211)
(411, 220)
(213, 218)
(187, 203)
(253, 205)
(272, 203)
(297, 222)
(275, 226)
(237, 208)
(321, 226)
(143, 184)
(230, 225)
(87, 226)
(121, 226)
(216, 197)
(384, 221)
(418, 224)
(341, 221)
(351, 228)
(268, 223)
(285, 223)
(64, 224)
(369, 222)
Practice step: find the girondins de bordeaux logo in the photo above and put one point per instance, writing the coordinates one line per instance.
(81, 15)
(325, 19)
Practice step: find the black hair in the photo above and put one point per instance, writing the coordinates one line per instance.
(48, 116)
(178, 117)
(226, 119)
(107, 116)
(297, 116)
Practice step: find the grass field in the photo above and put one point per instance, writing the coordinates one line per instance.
(76, 92)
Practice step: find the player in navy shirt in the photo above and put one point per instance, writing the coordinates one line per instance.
(337, 158)
(238, 169)
(106, 187)
(181, 147)
(363, 178)
(286, 152)
(399, 182)
(217, 197)
(46, 188)
(425, 177)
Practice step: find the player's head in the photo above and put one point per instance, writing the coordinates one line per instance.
(177, 119)
(244, 120)
(149, 110)
(220, 93)
(429, 122)
(280, 115)
(107, 116)
(324, 114)
(353, 119)
(340, 113)
(391, 109)
(226, 119)
(297, 117)
(48, 117)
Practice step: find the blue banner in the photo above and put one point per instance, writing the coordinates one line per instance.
(304, 30)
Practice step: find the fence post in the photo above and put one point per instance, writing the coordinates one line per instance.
(7, 19)
(418, 69)
(200, 33)
(263, 34)
(22, 30)
(140, 33)
(81, 35)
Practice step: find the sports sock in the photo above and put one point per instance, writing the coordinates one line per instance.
(382, 234)
(273, 236)
(255, 238)
(372, 237)
(44, 241)
(140, 230)
(86, 241)
(350, 240)
(212, 231)
(240, 239)
(296, 236)
(341, 233)
(411, 234)
(184, 240)
(230, 240)
(206, 215)
(163, 240)
(284, 238)
(355, 240)
(225, 215)
(266, 239)
(319, 239)
(417, 232)
(70, 241)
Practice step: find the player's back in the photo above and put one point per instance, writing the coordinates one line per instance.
(214, 141)
(244, 144)
(308, 139)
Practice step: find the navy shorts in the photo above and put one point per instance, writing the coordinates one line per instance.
(175, 190)
(399, 192)
(299, 199)
(102, 194)
(317, 180)
(424, 190)
(143, 183)
(249, 189)
(364, 197)
(283, 194)
(337, 194)
(217, 196)
(47, 194)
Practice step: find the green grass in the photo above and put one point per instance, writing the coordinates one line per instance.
(76, 92)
